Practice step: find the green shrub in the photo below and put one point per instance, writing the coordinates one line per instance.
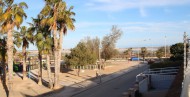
(15, 68)
(166, 64)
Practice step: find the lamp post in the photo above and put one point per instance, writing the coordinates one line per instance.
(165, 46)
(100, 62)
(138, 54)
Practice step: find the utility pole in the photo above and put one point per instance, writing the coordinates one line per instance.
(100, 64)
(165, 47)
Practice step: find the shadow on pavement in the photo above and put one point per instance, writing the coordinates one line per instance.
(74, 88)
(34, 77)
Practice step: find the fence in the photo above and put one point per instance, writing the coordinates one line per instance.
(89, 67)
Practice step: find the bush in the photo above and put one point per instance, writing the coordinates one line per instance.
(17, 68)
(166, 64)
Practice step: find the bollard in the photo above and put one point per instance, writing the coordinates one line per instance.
(136, 86)
(125, 94)
(132, 92)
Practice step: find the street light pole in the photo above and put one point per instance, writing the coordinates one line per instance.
(138, 54)
(165, 46)
(100, 62)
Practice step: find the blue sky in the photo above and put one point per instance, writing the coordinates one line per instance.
(144, 22)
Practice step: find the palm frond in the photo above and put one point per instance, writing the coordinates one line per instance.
(23, 5)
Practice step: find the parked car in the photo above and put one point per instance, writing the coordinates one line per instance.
(135, 59)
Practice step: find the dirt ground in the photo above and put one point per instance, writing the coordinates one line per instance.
(29, 87)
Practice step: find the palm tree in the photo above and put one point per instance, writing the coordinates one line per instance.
(3, 51)
(65, 21)
(23, 38)
(47, 52)
(57, 18)
(11, 16)
(144, 52)
(50, 11)
(44, 44)
(20, 56)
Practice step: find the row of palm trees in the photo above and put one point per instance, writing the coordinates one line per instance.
(46, 32)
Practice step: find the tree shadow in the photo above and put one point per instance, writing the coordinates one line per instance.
(74, 89)
(3, 80)
(34, 77)
(17, 73)
(52, 93)
(65, 70)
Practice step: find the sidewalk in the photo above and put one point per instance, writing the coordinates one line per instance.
(82, 86)
(69, 81)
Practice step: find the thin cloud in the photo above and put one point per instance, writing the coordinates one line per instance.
(143, 12)
(139, 27)
(120, 5)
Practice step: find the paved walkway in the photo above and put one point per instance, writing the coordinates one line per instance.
(69, 81)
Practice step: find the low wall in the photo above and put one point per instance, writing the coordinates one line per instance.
(143, 85)
(161, 81)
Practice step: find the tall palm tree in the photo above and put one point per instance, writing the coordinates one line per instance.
(65, 21)
(3, 51)
(44, 44)
(47, 52)
(24, 37)
(58, 18)
(11, 16)
(50, 11)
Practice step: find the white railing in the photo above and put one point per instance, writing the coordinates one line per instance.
(158, 78)
(186, 81)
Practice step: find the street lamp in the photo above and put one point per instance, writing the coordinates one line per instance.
(165, 46)
(100, 62)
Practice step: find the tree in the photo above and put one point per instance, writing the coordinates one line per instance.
(3, 51)
(108, 43)
(50, 12)
(24, 37)
(80, 56)
(144, 52)
(128, 53)
(177, 51)
(65, 22)
(57, 18)
(44, 44)
(93, 45)
(11, 16)
(160, 52)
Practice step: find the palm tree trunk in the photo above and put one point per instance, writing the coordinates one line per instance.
(4, 76)
(24, 63)
(40, 69)
(56, 77)
(60, 48)
(10, 59)
(49, 71)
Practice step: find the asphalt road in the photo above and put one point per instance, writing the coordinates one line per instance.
(113, 88)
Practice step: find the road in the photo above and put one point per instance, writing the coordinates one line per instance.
(113, 88)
